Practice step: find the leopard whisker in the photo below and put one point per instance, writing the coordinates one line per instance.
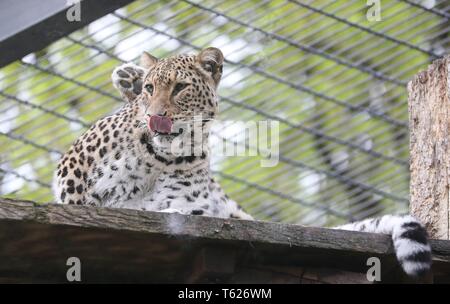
(194, 120)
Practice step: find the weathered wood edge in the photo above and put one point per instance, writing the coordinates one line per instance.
(269, 233)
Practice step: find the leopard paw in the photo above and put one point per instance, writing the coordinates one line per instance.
(171, 210)
(127, 78)
(240, 214)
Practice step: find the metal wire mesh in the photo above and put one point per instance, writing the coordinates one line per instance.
(334, 80)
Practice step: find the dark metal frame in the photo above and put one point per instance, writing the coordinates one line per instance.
(32, 25)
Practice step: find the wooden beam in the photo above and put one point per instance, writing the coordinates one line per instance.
(120, 245)
(213, 264)
(429, 120)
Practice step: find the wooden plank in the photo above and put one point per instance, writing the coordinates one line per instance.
(429, 104)
(253, 232)
(119, 245)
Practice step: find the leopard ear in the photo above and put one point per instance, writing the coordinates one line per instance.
(211, 61)
(147, 60)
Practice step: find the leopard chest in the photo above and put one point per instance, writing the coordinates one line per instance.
(122, 176)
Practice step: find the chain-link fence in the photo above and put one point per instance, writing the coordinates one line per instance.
(329, 72)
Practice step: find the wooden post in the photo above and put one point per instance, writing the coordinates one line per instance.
(429, 121)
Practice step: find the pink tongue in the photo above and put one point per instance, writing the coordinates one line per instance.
(160, 124)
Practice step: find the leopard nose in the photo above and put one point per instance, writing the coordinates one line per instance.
(158, 114)
(163, 114)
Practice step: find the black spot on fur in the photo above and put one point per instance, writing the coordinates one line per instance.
(413, 225)
(376, 221)
(102, 151)
(417, 234)
(96, 196)
(420, 257)
(63, 195)
(172, 188)
(64, 172)
(99, 172)
(80, 189)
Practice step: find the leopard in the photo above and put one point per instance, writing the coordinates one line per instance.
(121, 162)
(153, 153)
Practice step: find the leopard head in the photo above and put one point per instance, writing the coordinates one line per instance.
(179, 94)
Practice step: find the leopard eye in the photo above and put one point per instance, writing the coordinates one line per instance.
(149, 88)
(208, 67)
(179, 87)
